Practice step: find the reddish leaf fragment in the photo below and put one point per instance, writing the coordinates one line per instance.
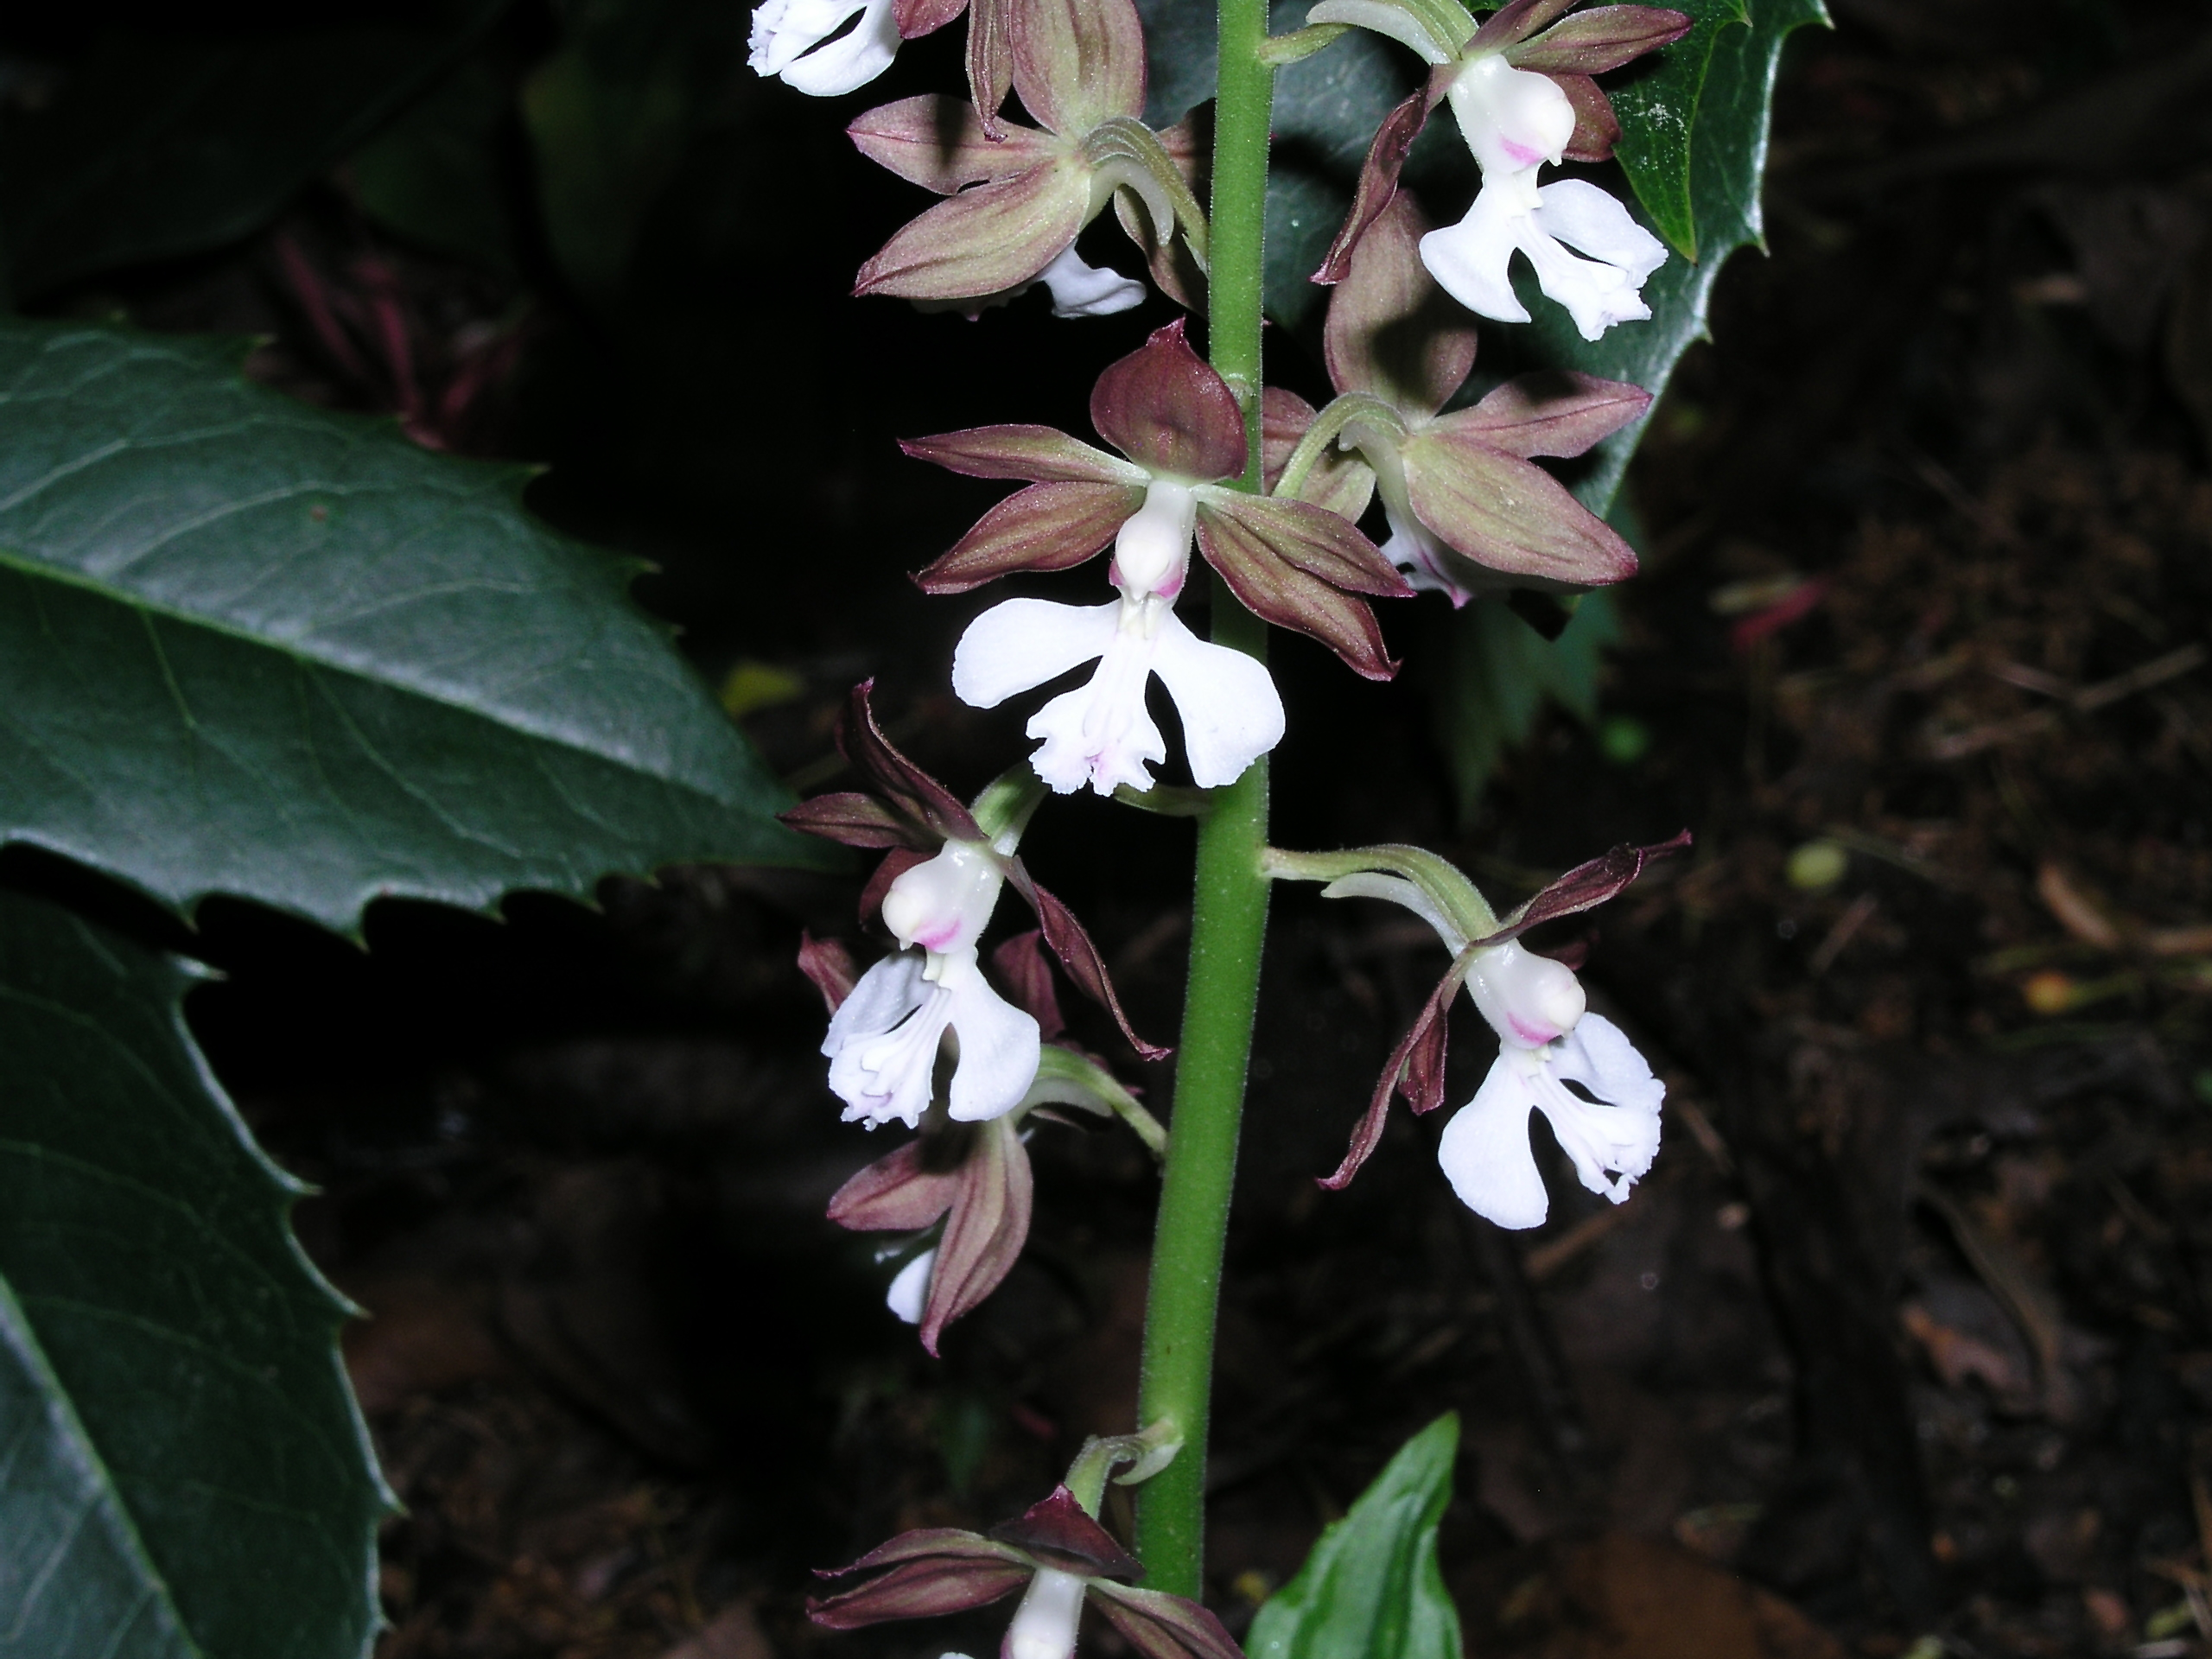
(989, 1223)
(1597, 129)
(1378, 174)
(895, 1194)
(1161, 1626)
(903, 784)
(1585, 887)
(1038, 454)
(1044, 527)
(829, 965)
(1165, 407)
(1603, 38)
(1391, 331)
(1549, 413)
(1022, 967)
(1072, 946)
(1060, 1535)
(1269, 564)
(940, 144)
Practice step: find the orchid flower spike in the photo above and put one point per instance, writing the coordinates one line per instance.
(935, 890)
(1546, 1037)
(1181, 435)
(1522, 91)
(1016, 197)
(1470, 511)
(1057, 1556)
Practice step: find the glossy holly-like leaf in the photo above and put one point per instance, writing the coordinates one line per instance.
(1727, 161)
(1372, 1587)
(171, 141)
(1498, 674)
(248, 646)
(1657, 108)
(185, 1472)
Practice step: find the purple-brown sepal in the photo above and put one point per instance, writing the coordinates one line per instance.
(1584, 887)
(1161, 1626)
(1166, 409)
(1060, 1535)
(932, 1571)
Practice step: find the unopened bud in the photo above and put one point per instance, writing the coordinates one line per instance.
(1528, 1000)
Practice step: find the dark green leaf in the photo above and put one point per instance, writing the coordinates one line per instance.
(1657, 104)
(1728, 160)
(248, 646)
(186, 1474)
(171, 141)
(1497, 673)
(1372, 1589)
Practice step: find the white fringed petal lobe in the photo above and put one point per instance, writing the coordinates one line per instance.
(1485, 1151)
(999, 1045)
(1428, 564)
(883, 1040)
(1080, 290)
(1100, 734)
(1018, 645)
(792, 39)
(1473, 258)
(1231, 712)
(909, 1291)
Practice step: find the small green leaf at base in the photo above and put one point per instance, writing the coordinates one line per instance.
(185, 1475)
(247, 646)
(1372, 1589)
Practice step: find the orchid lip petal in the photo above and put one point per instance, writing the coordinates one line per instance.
(1230, 710)
(1021, 643)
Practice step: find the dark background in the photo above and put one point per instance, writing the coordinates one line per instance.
(1910, 1331)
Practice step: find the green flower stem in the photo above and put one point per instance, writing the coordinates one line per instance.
(1229, 911)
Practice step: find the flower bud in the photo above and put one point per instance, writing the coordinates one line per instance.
(1528, 1000)
(1152, 552)
(1044, 1624)
(1513, 120)
(944, 904)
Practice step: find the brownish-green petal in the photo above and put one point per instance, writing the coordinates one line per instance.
(1044, 527)
(940, 144)
(984, 240)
